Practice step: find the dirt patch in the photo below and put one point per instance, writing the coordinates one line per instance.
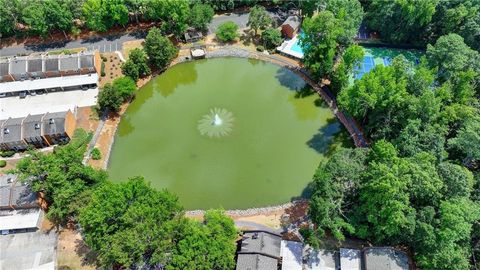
(113, 68)
(11, 163)
(87, 119)
(72, 253)
(130, 45)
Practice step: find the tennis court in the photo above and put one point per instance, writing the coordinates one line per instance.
(382, 56)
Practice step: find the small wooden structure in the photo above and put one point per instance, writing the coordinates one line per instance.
(198, 52)
(192, 35)
(291, 26)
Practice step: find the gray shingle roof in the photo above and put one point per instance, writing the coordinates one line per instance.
(4, 67)
(293, 21)
(385, 259)
(261, 242)
(87, 61)
(15, 193)
(32, 126)
(68, 63)
(12, 130)
(256, 262)
(35, 65)
(51, 64)
(18, 66)
(54, 123)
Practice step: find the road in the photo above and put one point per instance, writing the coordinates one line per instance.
(114, 42)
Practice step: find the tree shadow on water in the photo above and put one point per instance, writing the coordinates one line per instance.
(322, 140)
(184, 75)
(290, 80)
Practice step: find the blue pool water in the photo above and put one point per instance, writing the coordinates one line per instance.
(296, 47)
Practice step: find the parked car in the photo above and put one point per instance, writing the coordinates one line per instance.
(22, 94)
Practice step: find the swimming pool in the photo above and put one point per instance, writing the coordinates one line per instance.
(296, 47)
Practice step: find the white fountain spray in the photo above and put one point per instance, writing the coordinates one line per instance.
(217, 121)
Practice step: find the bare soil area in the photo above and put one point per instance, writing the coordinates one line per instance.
(72, 253)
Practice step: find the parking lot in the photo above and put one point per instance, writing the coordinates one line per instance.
(33, 250)
(50, 102)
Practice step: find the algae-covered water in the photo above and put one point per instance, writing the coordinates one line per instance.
(263, 152)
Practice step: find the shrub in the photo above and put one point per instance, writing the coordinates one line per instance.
(96, 154)
(271, 38)
(3, 163)
(102, 70)
(109, 98)
(8, 153)
(260, 48)
(125, 86)
(227, 31)
(139, 58)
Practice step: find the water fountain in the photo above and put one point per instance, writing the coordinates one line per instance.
(217, 123)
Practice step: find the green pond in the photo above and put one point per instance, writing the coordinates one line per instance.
(227, 132)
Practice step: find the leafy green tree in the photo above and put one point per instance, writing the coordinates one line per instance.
(379, 98)
(101, 15)
(459, 17)
(458, 180)
(139, 58)
(351, 58)
(271, 38)
(109, 98)
(400, 21)
(335, 184)
(200, 16)
(11, 15)
(61, 176)
(174, 15)
(319, 43)
(348, 12)
(159, 49)
(227, 31)
(258, 18)
(130, 69)
(467, 142)
(34, 16)
(125, 222)
(451, 56)
(207, 246)
(384, 211)
(58, 16)
(125, 86)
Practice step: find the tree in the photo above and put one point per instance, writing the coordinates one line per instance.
(139, 58)
(271, 38)
(227, 31)
(61, 176)
(335, 185)
(174, 14)
(258, 18)
(348, 12)
(59, 17)
(101, 15)
(452, 56)
(379, 98)
(200, 16)
(130, 69)
(11, 13)
(131, 224)
(400, 21)
(351, 58)
(159, 49)
(125, 86)
(124, 222)
(459, 17)
(109, 98)
(34, 16)
(467, 143)
(319, 43)
(458, 180)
